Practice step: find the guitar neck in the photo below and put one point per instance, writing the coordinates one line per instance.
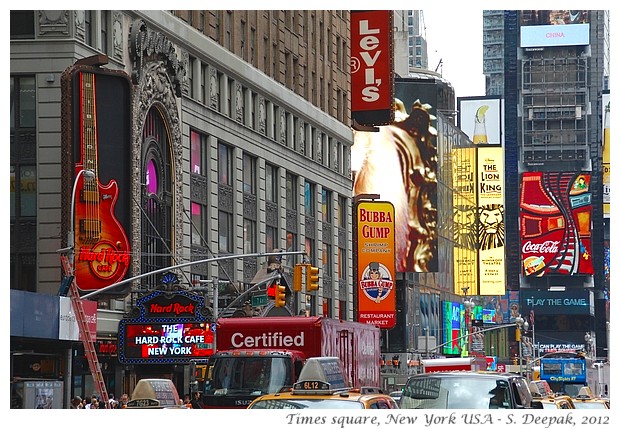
(89, 123)
(90, 224)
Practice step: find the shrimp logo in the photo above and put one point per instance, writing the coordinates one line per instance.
(376, 282)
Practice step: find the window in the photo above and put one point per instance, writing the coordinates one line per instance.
(22, 24)
(23, 184)
(190, 76)
(249, 236)
(228, 27)
(88, 27)
(197, 142)
(225, 229)
(23, 102)
(342, 212)
(225, 164)
(252, 45)
(326, 209)
(242, 41)
(342, 263)
(309, 198)
(291, 192)
(327, 259)
(156, 221)
(271, 238)
(105, 30)
(271, 183)
(249, 174)
(310, 249)
(197, 224)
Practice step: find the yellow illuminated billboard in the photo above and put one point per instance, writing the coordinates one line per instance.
(491, 228)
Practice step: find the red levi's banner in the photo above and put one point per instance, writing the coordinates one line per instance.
(372, 67)
(556, 211)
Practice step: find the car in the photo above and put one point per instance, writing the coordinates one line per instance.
(466, 390)
(321, 386)
(396, 395)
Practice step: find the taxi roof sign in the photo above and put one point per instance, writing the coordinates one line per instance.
(321, 374)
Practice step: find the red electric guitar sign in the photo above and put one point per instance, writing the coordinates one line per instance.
(102, 252)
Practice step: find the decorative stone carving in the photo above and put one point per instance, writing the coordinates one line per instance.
(282, 127)
(156, 88)
(302, 137)
(117, 35)
(213, 92)
(53, 23)
(238, 102)
(147, 46)
(261, 115)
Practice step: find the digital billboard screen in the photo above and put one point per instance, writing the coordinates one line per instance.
(165, 342)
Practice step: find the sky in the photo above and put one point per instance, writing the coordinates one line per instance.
(455, 38)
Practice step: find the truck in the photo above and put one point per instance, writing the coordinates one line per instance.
(260, 355)
(454, 364)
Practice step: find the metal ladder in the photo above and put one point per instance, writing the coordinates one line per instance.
(85, 334)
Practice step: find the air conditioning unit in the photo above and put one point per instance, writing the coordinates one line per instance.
(117, 304)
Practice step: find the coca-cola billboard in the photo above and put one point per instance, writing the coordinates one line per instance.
(555, 223)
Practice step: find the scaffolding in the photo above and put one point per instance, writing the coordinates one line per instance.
(555, 105)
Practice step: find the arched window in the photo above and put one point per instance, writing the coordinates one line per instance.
(156, 215)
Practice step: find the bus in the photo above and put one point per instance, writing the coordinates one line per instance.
(565, 372)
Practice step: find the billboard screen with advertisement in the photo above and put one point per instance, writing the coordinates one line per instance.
(542, 28)
(68, 328)
(606, 154)
(375, 263)
(372, 66)
(555, 223)
(381, 163)
(481, 119)
(491, 228)
(165, 342)
(452, 328)
(464, 218)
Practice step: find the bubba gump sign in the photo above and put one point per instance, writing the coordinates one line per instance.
(376, 263)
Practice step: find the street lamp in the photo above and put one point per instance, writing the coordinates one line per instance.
(522, 325)
(469, 304)
(90, 175)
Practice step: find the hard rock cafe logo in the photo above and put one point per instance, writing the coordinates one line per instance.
(376, 282)
(104, 258)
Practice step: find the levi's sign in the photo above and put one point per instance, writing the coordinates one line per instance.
(372, 77)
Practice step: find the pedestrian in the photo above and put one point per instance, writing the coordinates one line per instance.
(195, 402)
(187, 402)
(123, 401)
(76, 403)
(93, 403)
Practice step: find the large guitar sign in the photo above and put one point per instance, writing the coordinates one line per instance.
(102, 252)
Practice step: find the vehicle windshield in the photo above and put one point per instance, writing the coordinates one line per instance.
(438, 392)
(249, 375)
(589, 405)
(294, 403)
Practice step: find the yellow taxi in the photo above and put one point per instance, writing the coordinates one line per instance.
(544, 398)
(586, 401)
(562, 402)
(321, 386)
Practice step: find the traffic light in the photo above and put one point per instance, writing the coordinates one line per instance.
(280, 295)
(297, 273)
(518, 335)
(312, 278)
